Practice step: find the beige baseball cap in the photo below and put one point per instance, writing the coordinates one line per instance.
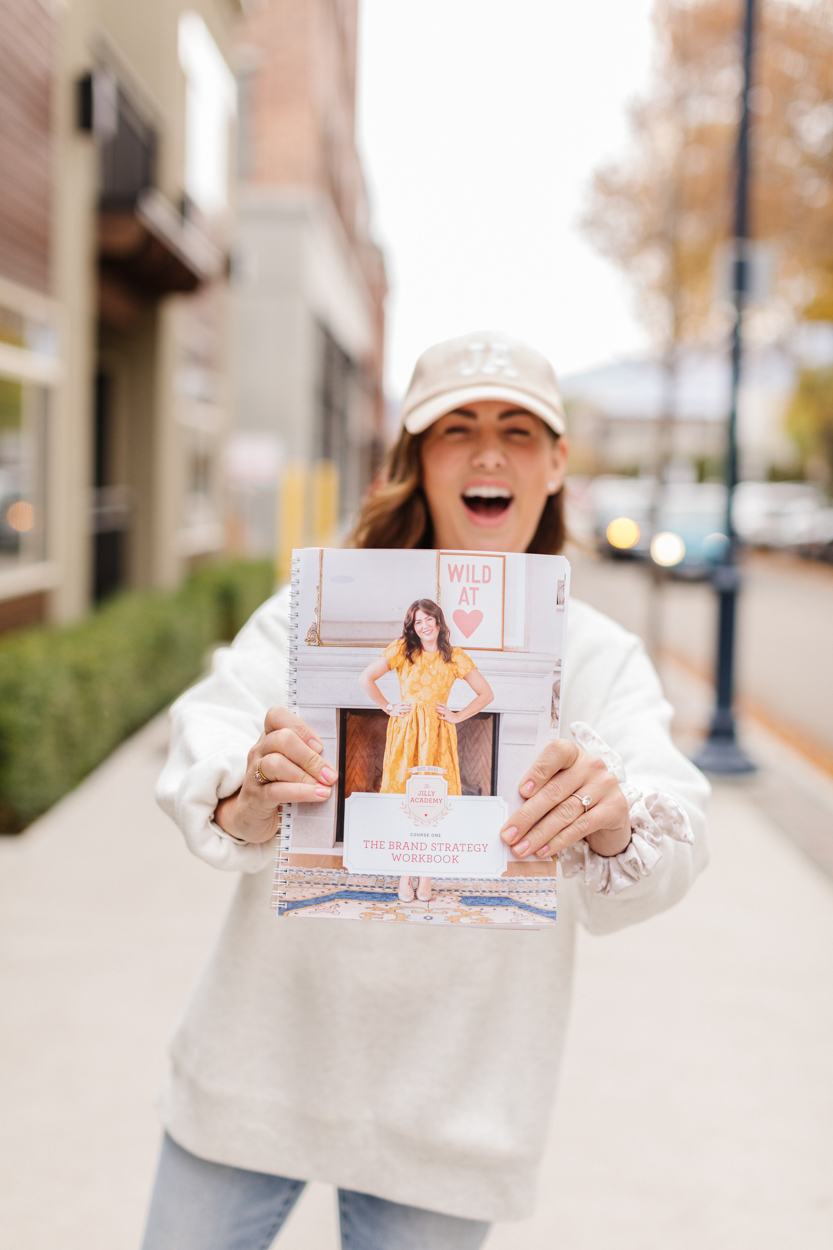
(485, 365)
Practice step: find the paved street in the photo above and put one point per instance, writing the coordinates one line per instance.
(696, 1103)
(784, 656)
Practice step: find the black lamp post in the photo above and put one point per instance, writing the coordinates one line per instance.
(721, 752)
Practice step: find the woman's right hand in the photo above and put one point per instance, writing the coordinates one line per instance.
(400, 709)
(287, 753)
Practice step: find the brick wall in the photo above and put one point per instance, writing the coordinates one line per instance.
(25, 141)
(300, 96)
(297, 62)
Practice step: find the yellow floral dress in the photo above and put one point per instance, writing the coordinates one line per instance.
(422, 737)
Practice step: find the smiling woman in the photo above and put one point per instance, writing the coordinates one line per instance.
(487, 413)
(421, 1119)
(493, 471)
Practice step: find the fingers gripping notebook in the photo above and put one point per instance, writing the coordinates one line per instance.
(433, 678)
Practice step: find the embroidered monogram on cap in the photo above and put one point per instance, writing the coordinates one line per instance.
(488, 358)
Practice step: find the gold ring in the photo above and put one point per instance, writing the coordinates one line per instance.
(259, 776)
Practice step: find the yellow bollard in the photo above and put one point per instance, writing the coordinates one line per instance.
(291, 516)
(325, 503)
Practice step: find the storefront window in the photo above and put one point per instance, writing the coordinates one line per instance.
(199, 504)
(28, 332)
(23, 408)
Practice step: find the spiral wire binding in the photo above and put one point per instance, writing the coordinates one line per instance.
(284, 833)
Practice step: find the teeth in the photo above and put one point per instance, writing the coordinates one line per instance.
(486, 492)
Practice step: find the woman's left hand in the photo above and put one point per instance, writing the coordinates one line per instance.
(553, 818)
(445, 713)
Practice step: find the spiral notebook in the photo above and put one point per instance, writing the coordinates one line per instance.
(433, 679)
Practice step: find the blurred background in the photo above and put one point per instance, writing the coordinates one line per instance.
(207, 322)
(227, 229)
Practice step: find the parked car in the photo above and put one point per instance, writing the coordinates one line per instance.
(813, 539)
(686, 534)
(621, 515)
(775, 514)
(694, 513)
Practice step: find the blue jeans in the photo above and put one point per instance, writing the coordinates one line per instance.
(197, 1205)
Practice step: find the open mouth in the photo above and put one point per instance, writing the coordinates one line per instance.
(487, 502)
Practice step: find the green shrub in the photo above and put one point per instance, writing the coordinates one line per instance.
(69, 695)
(236, 587)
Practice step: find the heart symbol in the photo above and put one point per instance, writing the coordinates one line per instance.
(467, 622)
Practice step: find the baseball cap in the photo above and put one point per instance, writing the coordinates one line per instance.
(484, 365)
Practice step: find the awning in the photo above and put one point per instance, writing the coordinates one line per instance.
(149, 249)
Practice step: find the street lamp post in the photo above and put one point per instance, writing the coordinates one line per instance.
(721, 752)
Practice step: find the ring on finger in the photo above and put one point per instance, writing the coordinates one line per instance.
(586, 800)
(259, 775)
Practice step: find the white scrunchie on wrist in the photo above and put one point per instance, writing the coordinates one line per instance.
(653, 817)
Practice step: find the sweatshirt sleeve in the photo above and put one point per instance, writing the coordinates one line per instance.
(213, 727)
(633, 719)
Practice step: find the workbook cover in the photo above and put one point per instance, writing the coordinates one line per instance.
(433, 679)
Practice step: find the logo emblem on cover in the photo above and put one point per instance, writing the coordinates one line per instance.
(426, 795)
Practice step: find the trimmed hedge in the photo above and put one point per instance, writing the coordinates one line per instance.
(69, 695)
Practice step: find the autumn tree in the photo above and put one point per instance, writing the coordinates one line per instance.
(810, 419)
(663, 211)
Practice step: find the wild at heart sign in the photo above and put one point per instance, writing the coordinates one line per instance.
(471, 595)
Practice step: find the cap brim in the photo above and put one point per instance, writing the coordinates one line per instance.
(430, 410)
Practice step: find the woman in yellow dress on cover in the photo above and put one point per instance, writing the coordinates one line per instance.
(421, 730)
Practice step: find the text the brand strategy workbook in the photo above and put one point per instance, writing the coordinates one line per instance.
(433, 679)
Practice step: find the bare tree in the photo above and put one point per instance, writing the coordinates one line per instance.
(664, 210)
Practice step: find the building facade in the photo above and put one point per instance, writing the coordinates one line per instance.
(114, 234)
(614, 411)
(29, 315)
(308, 282)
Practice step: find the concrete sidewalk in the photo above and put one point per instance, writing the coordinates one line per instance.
(696, 1104)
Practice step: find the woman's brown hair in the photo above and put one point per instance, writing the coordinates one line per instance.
(411, 638)
(395, 512)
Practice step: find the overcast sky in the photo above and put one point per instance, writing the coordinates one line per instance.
(480, 124)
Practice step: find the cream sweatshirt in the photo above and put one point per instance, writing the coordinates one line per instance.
(412, 1063)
